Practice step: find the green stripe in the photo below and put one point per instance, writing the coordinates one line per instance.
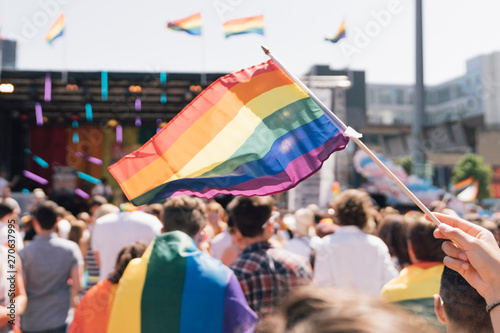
(162, 294)
(271, 128)
(259, 143)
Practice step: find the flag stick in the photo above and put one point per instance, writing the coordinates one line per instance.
(351, 133)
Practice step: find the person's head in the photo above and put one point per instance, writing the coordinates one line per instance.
(215, 212)
(95, 202)
(184, 213)
(392, 231)
(124, 257)
(45, 216)
(304, 221)
(328, 310)
(352, 207)
(105, 209)
(6, 212)
(251, 214)
(154, 209)
(422, 245)
(459, 306)
(76, 232)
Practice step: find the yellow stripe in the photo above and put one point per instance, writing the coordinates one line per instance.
(126, 312)
(244, 26)
(413, 283)
(239, 129)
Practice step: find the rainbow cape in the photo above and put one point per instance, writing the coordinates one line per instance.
(190, 24)
(252, 132)
(340, 34)
(56, 30)
(175, 287)
(254, 24)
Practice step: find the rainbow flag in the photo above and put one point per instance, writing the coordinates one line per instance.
(254, 24)
(252, 132)
(462, 185)
(469, 194)
(190, 24)
(340, 34)
(175, 287)
(56, 30)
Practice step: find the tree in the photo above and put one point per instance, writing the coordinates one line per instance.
(407, 164)
(471, 165)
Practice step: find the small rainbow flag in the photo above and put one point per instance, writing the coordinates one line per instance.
(191, 24)
(56, 30)
(462, 185)
(340, 34)
(171, 283)
(469, 194)
(254, 24)
(252, 132)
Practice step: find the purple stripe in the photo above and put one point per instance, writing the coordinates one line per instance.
(296, 171)
(238, 317)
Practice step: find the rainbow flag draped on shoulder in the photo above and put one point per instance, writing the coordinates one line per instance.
(190, 24)
(252, 132)
(175, 287)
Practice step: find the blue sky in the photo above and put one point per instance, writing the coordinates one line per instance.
(132, 36)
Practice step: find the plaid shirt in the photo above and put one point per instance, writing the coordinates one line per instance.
(266, 274)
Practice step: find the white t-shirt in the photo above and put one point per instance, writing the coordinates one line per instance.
(350, 258)
(219, 243)
(114, 231)
(303, 245)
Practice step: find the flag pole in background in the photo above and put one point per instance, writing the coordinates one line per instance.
(352, 134)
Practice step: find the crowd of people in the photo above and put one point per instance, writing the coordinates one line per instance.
(242, 265)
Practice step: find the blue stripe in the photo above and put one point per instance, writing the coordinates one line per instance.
(259, 31)
(300, 141)
(203, 295)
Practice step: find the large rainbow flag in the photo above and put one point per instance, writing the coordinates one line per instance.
(56, 30)
(340, 34)
(246, 25)
(190, 24)
(252, 132)
(175, 287)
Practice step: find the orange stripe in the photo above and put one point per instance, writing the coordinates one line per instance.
(201, 133)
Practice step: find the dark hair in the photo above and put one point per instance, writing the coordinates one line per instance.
(154, 209)
(76, 232)
(250, 214)
(462, 304)
(184, 213)
(425, 246)
(46, 215)
(124, 257)
(5, 210)
(329, 310)
(392, 231)
(352, 207)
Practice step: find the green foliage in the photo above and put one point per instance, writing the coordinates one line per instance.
(471, 165)
(407, 164)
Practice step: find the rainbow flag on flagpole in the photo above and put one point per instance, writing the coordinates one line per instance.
(252, 132)
(254, 24)
(469, 194)
(56, 30)
(462, 185)
(340, 34)
(175, 287)
(190, 24)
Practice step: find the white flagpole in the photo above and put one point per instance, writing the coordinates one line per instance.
(351, 133)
